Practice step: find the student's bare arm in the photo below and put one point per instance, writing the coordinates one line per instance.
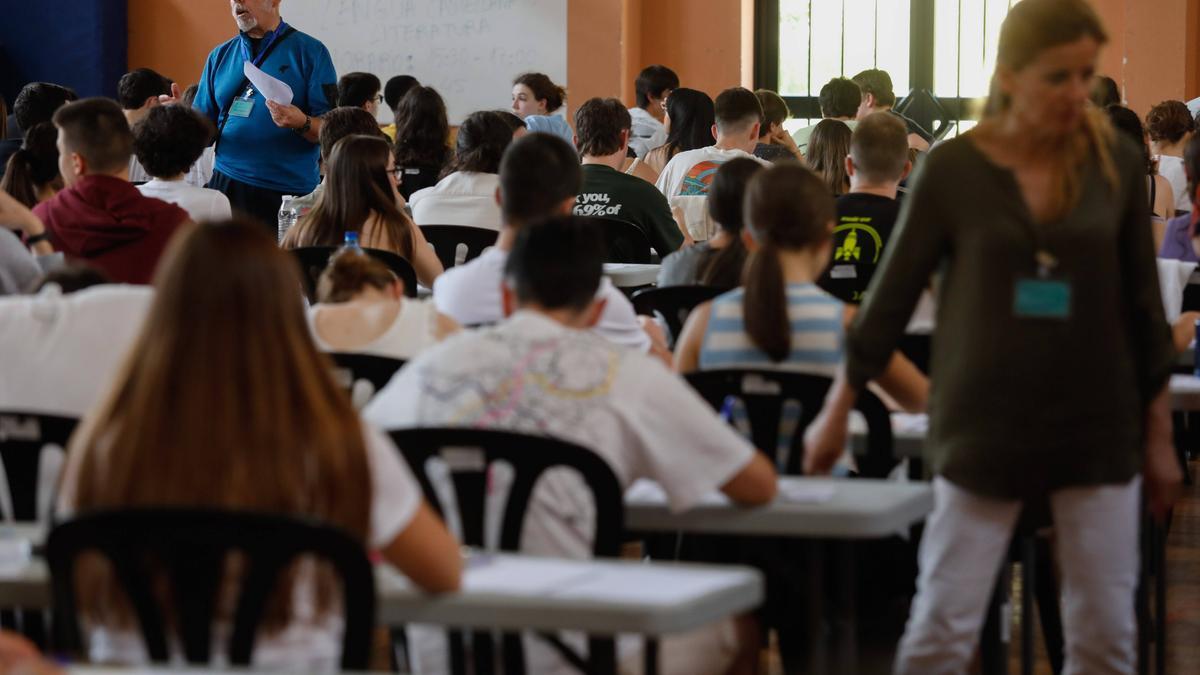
(426, 553)
(687, 347)
(755, 484)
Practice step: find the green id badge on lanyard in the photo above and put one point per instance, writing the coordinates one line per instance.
(1042, 298)
(241, 108)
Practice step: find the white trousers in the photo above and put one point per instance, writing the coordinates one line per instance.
(966, 540)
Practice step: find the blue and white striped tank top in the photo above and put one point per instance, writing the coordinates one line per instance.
(818, 340)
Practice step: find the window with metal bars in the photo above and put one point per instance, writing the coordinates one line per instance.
(945, 47)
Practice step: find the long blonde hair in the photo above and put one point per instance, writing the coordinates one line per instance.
(225, 402)
(1033, 26)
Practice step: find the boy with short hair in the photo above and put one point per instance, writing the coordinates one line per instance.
(739, 117)
(602, 133)
(652, 87)
(878, 161)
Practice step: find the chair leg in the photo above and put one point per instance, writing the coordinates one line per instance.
(1142, 599)
(1028, 580)
(1158, 538)
(1049, 613)
(993, 644)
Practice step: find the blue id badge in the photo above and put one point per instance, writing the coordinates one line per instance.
(1042, 298)
(244, 104)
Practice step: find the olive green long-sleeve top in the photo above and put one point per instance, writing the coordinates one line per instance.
(1020, 406)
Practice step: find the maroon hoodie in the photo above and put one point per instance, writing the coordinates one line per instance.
(106, 222)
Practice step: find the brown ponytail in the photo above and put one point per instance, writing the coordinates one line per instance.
(787, 208)
(33, 166)
(348, 273)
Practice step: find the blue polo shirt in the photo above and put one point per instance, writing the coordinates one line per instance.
(253, 149)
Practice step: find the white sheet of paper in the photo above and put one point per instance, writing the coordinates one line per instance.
(803, 492)
(271, 88)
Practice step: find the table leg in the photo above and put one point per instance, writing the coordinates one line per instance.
(1158, 537)
(993, 644)
(816, 606)
(846, 607)
(650, 654)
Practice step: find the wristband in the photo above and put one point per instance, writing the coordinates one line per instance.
(36, 239)
(307, 126)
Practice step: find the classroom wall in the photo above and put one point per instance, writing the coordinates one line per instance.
(1154, 51)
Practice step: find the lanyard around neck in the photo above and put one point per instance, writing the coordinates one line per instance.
(266, 46)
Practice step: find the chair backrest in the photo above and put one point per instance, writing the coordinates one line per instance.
(924, 108)
(774, 408)
(363, 375)
(188, 549)
(626, 242)
(314, 259)
(469, 453)
(24, 439)
(447, 240)
(673, 303)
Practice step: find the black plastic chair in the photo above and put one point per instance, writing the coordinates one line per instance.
(626, 242)
(447, 238)
(314, 259)
(376, 371)
(673, 304)
(469, 453)
(189, 547)
(24, 436)
(766, 393)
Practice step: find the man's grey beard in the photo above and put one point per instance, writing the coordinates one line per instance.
(246, 24)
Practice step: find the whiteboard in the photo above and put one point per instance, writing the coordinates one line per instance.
(469, 50)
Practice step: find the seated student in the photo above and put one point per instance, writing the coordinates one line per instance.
(839, 99)
(1170, 126)
(360, 90)
(138, 92)
(18, 268)
(877, 96)
(827, 150)
(466, 194)
(515, 123)
(153, 443)
(602, 136)
(689, 120)
(393, 92)
(877, 162)
(35, 104)
(717, 262)
(361, 197)
(774, 142)
(167, 142)
(542, 371)
(421, 134)
(101, 217)
(781, 318)
(336, 125)
(536, 94)
(1105, 92)
(540, 177)
(362, 309)
(32, 176)
(738, 118)
(1181, 241)
(1162, 196)
(652, 88)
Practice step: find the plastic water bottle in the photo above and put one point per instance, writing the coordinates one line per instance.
(351, 242)
(287, 216)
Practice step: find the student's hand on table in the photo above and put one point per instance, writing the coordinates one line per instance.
(286, 116)
(173, 97)
(825, 441)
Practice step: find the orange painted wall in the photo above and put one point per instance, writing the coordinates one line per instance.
(1154, 51)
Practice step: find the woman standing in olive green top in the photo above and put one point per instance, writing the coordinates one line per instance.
(1049, 380)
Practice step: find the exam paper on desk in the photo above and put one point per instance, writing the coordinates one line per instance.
(271, 88)
(801, 492)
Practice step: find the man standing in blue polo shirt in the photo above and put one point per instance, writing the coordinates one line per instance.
(266, 150)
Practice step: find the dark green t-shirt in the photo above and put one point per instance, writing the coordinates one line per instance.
(609, 193)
